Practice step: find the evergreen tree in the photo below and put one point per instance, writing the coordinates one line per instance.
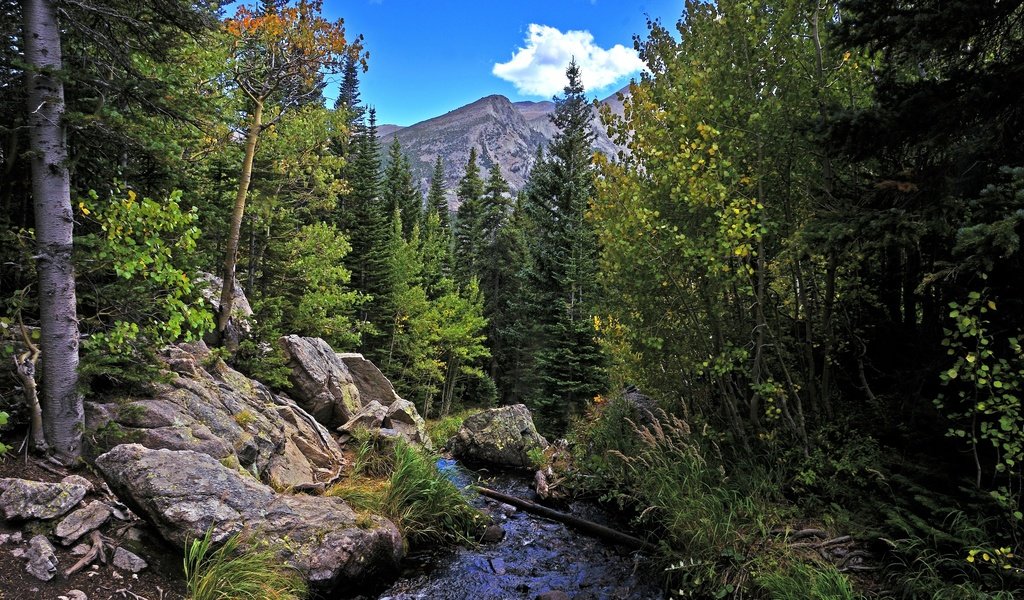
(468, 222)
(437, 196)
(568, 361)
(399, 191)
(365, 223)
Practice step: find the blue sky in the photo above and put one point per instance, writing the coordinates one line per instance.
(431, 56)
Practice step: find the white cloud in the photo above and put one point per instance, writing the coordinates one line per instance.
(538, 69)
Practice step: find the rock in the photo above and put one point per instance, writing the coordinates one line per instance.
(73, 595)
(82, 521)
(210, 408)
(499, 436)
(41, 560)
(184, 494)
(404, 419)
(498, 566)
(18, 552)
(369, 417)
(553, 595)
(79, 480)
(373, 386)
(492, 534)
(321, 382)
(642, 406)
(240, 325)
(24, 499)
(81, 549)
(128, 561)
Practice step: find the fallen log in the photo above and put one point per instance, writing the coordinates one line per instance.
(589, 527)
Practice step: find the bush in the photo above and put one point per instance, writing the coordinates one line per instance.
(421, 501)
(236, 573)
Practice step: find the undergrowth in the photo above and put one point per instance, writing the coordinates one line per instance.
(443, 429)
(234, 572)
(404, 484)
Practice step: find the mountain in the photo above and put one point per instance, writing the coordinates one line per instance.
(502, 131)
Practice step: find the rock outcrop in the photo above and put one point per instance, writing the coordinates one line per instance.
(499, 436)
(321, 383)
(185, 494)
(210, 408)
(348, 392)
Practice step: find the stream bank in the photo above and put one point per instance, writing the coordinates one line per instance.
(536, 556)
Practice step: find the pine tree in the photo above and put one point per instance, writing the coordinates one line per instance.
(365, 223)
(437, 196)
(399, 191)
(468, 222)
(568, 361)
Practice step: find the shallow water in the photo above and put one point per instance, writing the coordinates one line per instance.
(536, 556)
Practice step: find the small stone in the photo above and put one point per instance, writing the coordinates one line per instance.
(492, 535)
(42, 562)
(18, 552)
(79, 480)
(553, 595)
(4, 537)
(16, 537)
(81, 549)
(134, 534)
(498, 566)
(74, 595)
(128, 561)
(82, 521)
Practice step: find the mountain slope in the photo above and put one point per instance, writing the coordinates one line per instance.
(502, 132)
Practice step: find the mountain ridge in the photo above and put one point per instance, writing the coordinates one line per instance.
(504, 132)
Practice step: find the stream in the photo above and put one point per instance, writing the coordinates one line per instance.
(536, 556)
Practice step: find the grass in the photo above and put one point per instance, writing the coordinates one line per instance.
(413, 493)
(443, 429)
(234, 572)
(799, 580)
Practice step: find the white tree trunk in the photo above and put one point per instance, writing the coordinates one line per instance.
(51, 191)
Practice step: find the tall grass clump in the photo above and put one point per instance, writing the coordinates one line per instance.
(233, 572)
(414, 494)
(803, 581)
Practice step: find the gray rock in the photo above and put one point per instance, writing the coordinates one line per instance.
(41, 560)
(79, 480)
(321, 383)
(24, 499)
(368, 379)
(403, 418)
(499, 436)
(185, 493)
(128, 561)
(81, 522)
(370, 417)
(18, 552)
(213, 409)
(553, 595)
(240, 324)
(73, 595)
(492, 534)
(81, 549)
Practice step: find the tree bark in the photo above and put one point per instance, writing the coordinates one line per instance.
(231, 253)
(54, 221)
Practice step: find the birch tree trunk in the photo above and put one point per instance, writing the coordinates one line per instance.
(231, 254)
(51, 191)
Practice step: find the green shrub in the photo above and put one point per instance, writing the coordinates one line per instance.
(237, 573)
(3, 421)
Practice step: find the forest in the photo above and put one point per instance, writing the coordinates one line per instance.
(807, 255)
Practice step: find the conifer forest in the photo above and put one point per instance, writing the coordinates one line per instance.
(780, 329)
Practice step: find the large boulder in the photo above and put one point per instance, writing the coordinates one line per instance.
(368, 379)
(25, 499)
(185, 494)
(321, 382)
(210, 408)
(499, 436)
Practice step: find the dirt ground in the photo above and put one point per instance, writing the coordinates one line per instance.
(162, 580)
